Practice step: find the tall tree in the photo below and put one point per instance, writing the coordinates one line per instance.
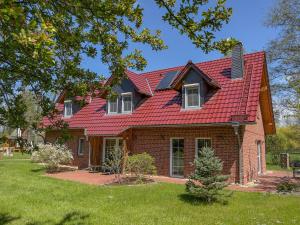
(43, 42)
(284, 56)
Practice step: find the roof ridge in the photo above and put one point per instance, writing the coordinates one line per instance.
(177, 67)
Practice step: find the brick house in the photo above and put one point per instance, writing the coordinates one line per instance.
(172, 113)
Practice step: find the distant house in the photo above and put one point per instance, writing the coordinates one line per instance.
(172, 113)
(12, 135)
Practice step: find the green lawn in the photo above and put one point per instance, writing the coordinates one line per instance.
(28, 197)
(271, 166)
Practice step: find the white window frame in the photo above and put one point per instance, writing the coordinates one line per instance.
(108, 102)
(196, 144)
(186, 86)
(127, 94)
(104, 145)
(80, 146)
(68, 101)
(171, 156)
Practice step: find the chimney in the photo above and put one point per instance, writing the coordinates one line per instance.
(237, 61)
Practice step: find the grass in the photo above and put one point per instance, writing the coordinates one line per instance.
(271, 166)
(27, 197)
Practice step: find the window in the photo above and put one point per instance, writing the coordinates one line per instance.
(68, 108)
(201, 143)
(177, 157)
(192, 96)
(113, 106)
(126, 103)
(109, 145)
(80, 146)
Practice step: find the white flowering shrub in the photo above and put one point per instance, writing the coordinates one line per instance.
(52, 156)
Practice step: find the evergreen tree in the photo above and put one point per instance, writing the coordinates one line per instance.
(207, 181)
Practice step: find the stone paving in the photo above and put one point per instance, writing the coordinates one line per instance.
(265, 183)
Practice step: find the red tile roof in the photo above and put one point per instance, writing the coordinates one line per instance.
(236, 98)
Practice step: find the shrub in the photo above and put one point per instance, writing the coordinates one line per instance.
(207, 181)
(52, 156)
(286, 187)
(140, 165)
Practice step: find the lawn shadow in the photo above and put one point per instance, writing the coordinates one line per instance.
(74, 217)
(5, 218)
(193, 200)
(37, 170)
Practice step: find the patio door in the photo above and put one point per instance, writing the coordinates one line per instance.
(109, 145)
(177, 157)
(259, 169)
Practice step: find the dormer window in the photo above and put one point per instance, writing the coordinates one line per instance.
(127, 102)
(113, 106)
(192, 96)
(68, 112)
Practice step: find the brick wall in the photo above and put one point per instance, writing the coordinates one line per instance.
(251, 135)
(156, 141)
(79, 160)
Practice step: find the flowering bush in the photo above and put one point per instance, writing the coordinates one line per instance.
(52, 156)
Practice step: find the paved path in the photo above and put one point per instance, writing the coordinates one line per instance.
(266, 183)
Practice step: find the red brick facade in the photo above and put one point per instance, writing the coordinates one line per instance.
(156, 142)
(252, 135)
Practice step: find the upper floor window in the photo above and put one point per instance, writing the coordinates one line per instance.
(192, 96)
(127, 102)
(68, 108)
(113, 106)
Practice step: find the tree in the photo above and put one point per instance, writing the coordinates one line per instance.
(43, 43)
(284, 56)
(207, 181)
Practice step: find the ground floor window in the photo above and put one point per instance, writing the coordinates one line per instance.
(177, 157)
(201, 143)
(80, 146)
(109, 145)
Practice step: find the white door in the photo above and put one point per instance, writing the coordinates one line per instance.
(177, 157)
(259, 169)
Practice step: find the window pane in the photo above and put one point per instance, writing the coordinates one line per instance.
(81, 146)
(192, 96)
(127, 103)
(177, 157)
(203, 142)
(68, 108)
(113, 106)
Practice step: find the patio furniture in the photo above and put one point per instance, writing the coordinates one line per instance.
(296, 169)
(95, 168)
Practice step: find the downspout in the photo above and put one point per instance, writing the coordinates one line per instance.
(237, 133)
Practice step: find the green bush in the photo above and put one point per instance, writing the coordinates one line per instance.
(207, 181)
(140, 165)
(286, 187)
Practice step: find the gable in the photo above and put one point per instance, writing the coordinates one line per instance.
(266, 104)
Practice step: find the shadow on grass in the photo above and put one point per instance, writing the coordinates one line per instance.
(74, 217)
(192, 199)
(5, 218)
(37, 170)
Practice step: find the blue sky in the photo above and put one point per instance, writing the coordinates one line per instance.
(246, 25)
